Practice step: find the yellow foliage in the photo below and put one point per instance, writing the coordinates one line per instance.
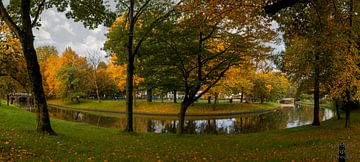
(117, 74)
(236, 80)
(121, 19)
(51, 66)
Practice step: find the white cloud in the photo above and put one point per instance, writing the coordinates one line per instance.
(58, 31)
(43, 37)
(64, 27)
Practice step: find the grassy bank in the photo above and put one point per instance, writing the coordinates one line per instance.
(322, 103)
(82, 142)
(166, 107)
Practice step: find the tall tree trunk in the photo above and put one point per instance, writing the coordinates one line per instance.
(149, 126)
(130, 71)
(191, 127)
(316, 121)
(348, 101)
(175, 97)
(348, 105)
(216, 98)
(96, 87)
(347, 116)
(149, 95)
(7, 99)
(215, 101)
(184, 105)
(33, 69)
(129, 97)
(209, 100)
(242, 94)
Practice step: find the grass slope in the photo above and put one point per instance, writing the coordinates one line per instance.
(82, 142)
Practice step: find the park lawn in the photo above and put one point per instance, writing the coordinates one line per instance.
(311, 102)
(167, 107)
(82, 142)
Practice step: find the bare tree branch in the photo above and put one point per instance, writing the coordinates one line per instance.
(210, 34)
(38, 11)
(216, 81)
(141, 10)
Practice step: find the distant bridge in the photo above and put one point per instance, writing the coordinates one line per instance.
(19, 98)
(287, 102)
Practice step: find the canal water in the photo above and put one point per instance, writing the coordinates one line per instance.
(287, 117)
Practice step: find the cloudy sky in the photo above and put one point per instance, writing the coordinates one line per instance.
(58, 31)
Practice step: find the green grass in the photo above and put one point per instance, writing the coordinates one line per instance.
(166, 107)
(322, 103)
(82, 142)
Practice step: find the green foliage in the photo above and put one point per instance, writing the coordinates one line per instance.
(319, 36)
(306, 96)
(270, 86)
(7, 85)
(91, 12)
(260, 90)
(70, 82)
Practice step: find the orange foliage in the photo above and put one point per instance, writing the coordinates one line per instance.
(117, 74)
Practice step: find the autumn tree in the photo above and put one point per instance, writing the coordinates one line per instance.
(135, 24)
(262, 88)
(270, 85)
(25, 16)
(116, 71)
(306, 26)
(49, 63)
(105, 85)
(73, 75)
(22, 16)
(12, 61)
(238, 79)
(50, 68)
(204, 42)
(159, 72)
(94, 59)
(316, 36)
(346, 70)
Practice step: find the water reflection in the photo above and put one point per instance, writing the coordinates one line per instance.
(286, 118)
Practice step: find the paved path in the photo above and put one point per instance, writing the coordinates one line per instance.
(162, 114)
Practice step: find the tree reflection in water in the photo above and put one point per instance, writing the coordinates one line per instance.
(285, 118)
